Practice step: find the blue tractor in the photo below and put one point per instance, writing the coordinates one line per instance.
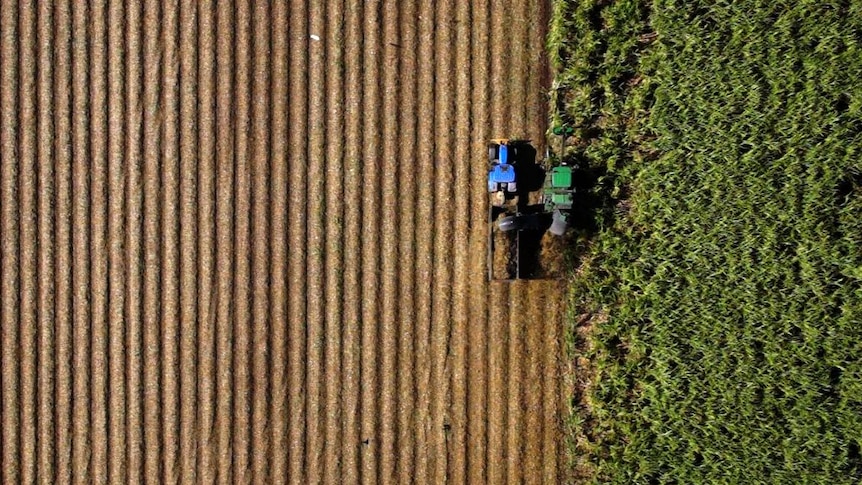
(502, 173)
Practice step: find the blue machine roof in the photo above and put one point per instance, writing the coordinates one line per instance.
(504, 155)
(502, 174)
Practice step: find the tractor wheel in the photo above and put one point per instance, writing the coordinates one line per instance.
(498, 198)
(559, 224)
(493, 152)
(508, 223)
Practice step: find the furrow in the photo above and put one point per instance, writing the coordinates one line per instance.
(260, 200)
(98, 297)
(278, 410)
(351, 372)
(224, 250)
(46, 333)
(370, 155)
(486, 90)
(189, 278)
(464, 158)
(315, 90)
(505, 115)
(552, 424)
(81, 329)
(297, 264)
(63, 262)
(427, 459)
(529, 86)
(410, 460)
(518, 388)
(116, 134)
(207, 311)
(538, 82)
(389, 298)
(498, 382)
(499, 78)
(134, 254)
(169, 190)
(28, 227)
(498, 331)
(539, 75)
(532, 361)
(152, 257)
(470, 410)
(441, 233)
(9, 254)
(516, 68)
(469, 391)
(332, 39)
(242, 294)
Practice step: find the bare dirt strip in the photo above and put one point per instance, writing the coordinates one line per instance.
(245, 242)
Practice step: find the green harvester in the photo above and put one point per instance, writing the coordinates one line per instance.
(559, 191)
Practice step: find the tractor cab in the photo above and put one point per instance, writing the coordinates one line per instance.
(502, 178)
(558, 197)
(559, 191)
(501, 174)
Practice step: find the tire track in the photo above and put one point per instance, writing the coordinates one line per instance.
(189, 277)
(46, 332)
(260, 446)
(332, 39)
(116, 318)
(28, 227)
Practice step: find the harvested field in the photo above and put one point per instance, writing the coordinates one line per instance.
(245, 242)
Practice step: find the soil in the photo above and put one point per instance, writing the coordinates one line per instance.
(247, 242)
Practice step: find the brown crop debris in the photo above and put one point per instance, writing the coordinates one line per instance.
(245, 242)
